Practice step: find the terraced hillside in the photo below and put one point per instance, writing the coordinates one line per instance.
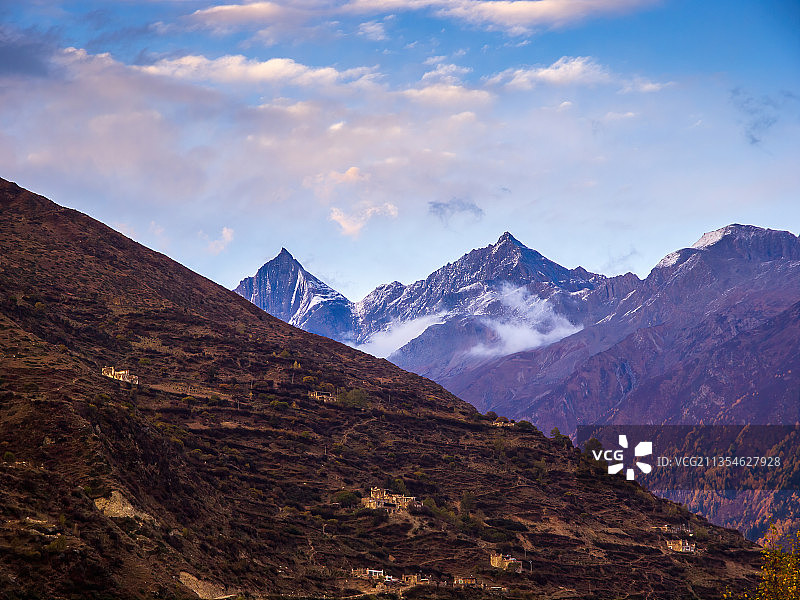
(219, 474)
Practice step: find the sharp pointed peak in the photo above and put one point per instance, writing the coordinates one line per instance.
(508, 238)
(284, 257)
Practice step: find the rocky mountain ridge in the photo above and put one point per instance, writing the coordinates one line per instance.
(505, 280)
(507, 308)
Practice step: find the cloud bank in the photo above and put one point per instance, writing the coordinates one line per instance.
(516, 17)
(528, 322)
(397, 334)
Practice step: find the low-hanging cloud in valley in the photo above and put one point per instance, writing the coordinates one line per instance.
(397, 334)
(517, 319)
(526, 322)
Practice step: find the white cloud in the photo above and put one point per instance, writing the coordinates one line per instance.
(530, 322)
(274, 21)
(380, 6)
(245, 15)
(324, 184)
(446, 73)
(432, 60)
(447, 94)
(351, 175)
(619, 116)
(169, 145)
(116, 123)
(373, 30)
(645, 86)
(218, 245)
(514, 16)
(520, 16)
(396, 335)
(567, 70)
(353, 223)
(574, 71)
(239, 69)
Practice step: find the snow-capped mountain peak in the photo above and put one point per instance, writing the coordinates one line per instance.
(283, 288)
(484, 291)
(507, 238)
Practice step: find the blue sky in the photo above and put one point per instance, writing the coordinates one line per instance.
(380, 139)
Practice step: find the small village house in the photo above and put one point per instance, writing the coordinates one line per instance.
(676, 529)
(323, 396)
(417, 579)
(507, 563)
(392, 503)
(124, 375)
(367, 573)
(681, 546)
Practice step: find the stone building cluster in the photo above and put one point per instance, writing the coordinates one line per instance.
(124, 375)
(505, 562)
(391, 503)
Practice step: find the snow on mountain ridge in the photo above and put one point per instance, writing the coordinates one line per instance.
(483, 295)
(474, 285)
(283, 288)
(741, 231)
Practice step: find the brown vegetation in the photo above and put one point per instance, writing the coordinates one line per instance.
(248, 484)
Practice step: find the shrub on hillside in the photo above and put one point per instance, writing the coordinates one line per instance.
(356, 398)
(346, 498)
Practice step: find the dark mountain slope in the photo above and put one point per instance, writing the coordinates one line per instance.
(219, 473)
(730, 281)
(753, 378)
